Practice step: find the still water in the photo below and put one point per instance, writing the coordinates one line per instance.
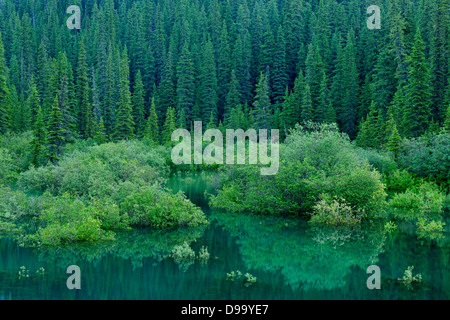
(289, 258)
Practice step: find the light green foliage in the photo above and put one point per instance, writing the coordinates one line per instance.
(315, 160)
(15, 204)
(161, 209)
(18, 147)
(334, 212)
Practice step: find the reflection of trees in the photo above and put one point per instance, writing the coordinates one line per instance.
(135, 245)
(308, 257)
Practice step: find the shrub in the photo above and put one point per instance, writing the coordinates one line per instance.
(408, 278)
(66, 219)
(203, 255)
(390, 227)
(98, 171)
(18, 146)
(427, 197)
(183, 255)
(9, 170)
(400, 180)
(334, 212)
(15, 204)
(380, 160)
(161, 209)
(313, 161)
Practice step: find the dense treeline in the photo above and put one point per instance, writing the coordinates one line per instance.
(140, 68)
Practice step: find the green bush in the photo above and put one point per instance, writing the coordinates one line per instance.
(8, 167)
(400, 180)
(427, 197)
(161, 209)
(18, 146)
(15, 204)
(380, 160)
(66, 219)
(312, 162)
(99, 171)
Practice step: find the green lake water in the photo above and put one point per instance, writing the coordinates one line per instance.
(289, 258)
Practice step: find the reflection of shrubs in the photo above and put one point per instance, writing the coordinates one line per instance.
(183, 255)
(161, 209)
(430, 229)
(426, 197)
(203, 255)
(247, 279)
(334, 212)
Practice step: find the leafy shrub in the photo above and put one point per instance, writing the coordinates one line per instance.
(66, 219)
(427, 197)
(312, 162)
(203, 254)
(246, 279)
(9, 170)
(18, 146)
(99, 171)
(400, 180)
(15, 204)
(380, 160)
(334, 212)
(161, 209)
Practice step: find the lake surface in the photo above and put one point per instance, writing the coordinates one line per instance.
(289, 258)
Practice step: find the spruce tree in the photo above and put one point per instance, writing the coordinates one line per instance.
(262, 106)
(185, 83)
(55, 132)
(152, 128)
(307, 106)
(138, 102)
(417, 113)
(38, 142)
(169, 127)
(99, 132)
(124, 123)
(84, 106)
(5, 94)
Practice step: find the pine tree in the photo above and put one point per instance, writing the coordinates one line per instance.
(291, 113)
(152, 128)
(99, 133)
(55, 132)
(185, 83)
(417, 113)
(5, 94)
(279, 78)
(38, 142)
(262, 106)
(84, 106)
(138, 102)
(307, 105)
(169, 126)
(208, 84)
(233, 98)
(34, 103)
(394, 142)
(447, 119)
(124, 123)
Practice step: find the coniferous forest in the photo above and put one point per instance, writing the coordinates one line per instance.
(87, 116)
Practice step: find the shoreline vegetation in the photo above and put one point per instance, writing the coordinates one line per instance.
(95, 191)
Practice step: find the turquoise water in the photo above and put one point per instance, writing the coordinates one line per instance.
(289, 258)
